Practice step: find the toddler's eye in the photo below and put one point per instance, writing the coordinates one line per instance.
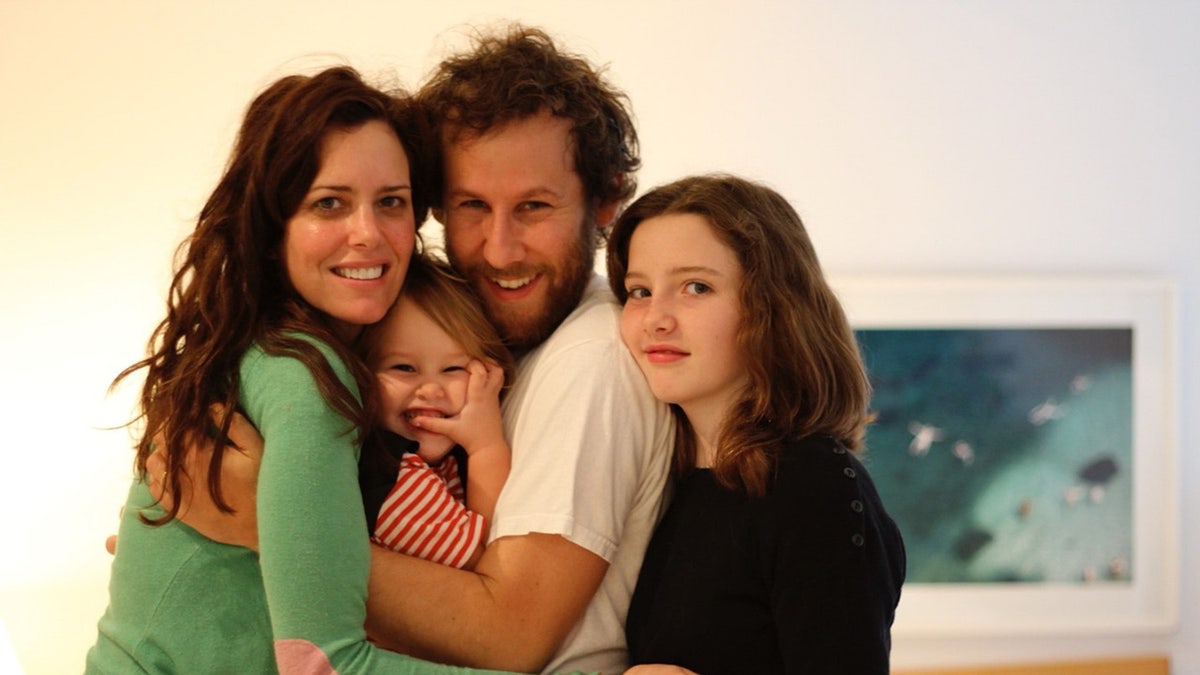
(404, 368)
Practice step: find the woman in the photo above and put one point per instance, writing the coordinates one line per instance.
(776, 554)
(305, 240)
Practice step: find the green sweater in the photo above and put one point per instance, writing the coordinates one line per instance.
(182, 603)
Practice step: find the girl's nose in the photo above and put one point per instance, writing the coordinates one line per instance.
(659, 318)
(430, 390)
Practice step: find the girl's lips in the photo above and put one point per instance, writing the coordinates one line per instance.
(664, 354)
(412, 419)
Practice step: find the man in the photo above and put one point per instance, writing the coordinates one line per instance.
(539, 153)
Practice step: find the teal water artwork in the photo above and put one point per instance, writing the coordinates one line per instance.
(1006, 455)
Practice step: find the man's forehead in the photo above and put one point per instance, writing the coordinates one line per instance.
(454, 134)
(536, 155)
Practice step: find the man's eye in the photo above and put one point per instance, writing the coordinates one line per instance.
(534, 206)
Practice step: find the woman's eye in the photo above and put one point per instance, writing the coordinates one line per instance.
(696, 287)
(393, 202)
(327, 203)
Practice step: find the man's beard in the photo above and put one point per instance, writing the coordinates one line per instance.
(527, 328)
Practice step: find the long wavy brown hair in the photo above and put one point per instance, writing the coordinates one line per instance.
(806, 375)
(230, 288)
(518, 73)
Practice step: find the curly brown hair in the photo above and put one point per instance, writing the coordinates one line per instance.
(520, 73)
(230, 288)
(805, 370)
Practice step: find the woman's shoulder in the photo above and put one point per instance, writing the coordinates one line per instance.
(277, 375)
(258, 357)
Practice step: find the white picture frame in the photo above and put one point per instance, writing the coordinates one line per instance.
(1148, 602)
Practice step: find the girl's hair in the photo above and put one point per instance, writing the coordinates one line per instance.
(806, 375)
(231, 288)
(448, 299)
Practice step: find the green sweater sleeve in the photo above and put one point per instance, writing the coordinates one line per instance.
(314, 549)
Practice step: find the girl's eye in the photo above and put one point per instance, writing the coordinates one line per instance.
(454, 369)
(404, 368)
(637, 293)
(696, 287)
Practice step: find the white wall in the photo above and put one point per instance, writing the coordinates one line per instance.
(935, 136)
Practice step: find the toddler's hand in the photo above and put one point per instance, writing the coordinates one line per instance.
(478, 426)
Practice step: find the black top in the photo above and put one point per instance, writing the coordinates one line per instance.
(803, 580)
(379, 466)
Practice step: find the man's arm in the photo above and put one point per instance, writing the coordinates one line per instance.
(513, 612)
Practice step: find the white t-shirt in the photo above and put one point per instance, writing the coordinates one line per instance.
(591, 453)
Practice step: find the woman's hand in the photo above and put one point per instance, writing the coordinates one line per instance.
(239, 485)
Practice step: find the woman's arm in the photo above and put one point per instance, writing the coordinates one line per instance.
(313, 546)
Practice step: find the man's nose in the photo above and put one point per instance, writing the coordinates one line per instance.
(503, 244)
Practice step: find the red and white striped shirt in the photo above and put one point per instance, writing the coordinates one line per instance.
(424, 514)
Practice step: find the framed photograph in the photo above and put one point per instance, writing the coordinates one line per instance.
(1024, 441)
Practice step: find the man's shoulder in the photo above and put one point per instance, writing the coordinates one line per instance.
(585, 354)
(597, 309)
(595, 323)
